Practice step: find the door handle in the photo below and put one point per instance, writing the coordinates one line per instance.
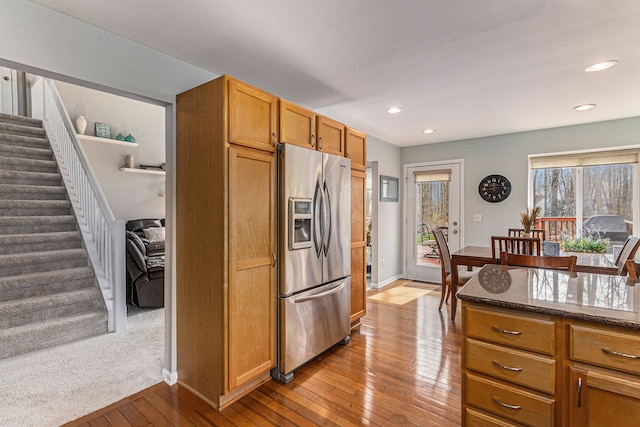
(317, 220)
(320, 144)
(321, 294)
(328, 224)
(313, 141)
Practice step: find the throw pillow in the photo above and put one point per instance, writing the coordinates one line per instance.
(154, 234)
(137, 240)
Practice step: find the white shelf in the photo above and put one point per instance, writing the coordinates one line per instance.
(147, 171)
(90, 138)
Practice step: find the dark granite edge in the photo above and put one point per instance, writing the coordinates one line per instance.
(604, 320)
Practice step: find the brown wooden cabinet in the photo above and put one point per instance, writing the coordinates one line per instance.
(534, 369)
(510, 366)
(358, 247)
(297, 125)
(252, 116)
(225, 238)
(603, 376)
(356, 148)
(252, 258)
(330, 136)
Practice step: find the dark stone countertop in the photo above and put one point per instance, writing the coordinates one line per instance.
(606, 299)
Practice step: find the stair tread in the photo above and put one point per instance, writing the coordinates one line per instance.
(75, 272)
(38, 237)
(34, 188)
(45, 323)
(26, 305)
(26, 121)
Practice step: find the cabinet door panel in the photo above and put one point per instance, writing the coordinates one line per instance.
(297, 125)
(358, 247)
(252, 116)
(597, 398)
(356, 147)
(251, 309)
(330, 136)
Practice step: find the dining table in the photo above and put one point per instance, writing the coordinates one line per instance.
(478, 256)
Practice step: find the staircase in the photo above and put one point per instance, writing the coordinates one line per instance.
(48, 291)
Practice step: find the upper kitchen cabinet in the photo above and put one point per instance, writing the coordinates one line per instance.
(297, 125)
(252, 116)
(356, 148)
(330, 135)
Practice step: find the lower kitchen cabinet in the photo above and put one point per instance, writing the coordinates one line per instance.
(533, 369)
(603, 378)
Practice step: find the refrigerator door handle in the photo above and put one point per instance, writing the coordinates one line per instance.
(317, 219)
(321, 294)
(328, 226)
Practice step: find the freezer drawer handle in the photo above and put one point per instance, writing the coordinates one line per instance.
(321, 294)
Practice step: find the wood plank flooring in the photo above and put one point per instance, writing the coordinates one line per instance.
(401, 368)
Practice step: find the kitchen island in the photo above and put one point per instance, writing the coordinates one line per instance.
(550, 348)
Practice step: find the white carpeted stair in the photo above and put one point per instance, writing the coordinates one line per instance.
(48, 292)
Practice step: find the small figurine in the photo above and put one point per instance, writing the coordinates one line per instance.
(120, 137)
(129, 138)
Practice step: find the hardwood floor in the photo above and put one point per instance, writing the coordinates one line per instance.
(401, 368)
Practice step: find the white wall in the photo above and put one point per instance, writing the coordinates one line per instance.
(130, 195)
(44, 40)
(508, 155)
(387, 253)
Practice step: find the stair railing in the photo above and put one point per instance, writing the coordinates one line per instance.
(104, 236)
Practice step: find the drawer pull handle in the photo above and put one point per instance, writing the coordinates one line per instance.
(506, 405)
(615, 353)
(504, 331)
(507, 368)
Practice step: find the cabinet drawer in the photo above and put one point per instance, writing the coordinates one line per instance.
(479, 419)
(509, 402)
(516, 331)
(529, 370)
(605, 348)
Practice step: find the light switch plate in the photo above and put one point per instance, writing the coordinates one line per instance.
(477, 217)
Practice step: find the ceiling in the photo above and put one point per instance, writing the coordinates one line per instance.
(466, 68)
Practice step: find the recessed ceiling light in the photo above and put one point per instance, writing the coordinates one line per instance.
(394, 110)
(601, 66)
(428, 131)
(584, 107)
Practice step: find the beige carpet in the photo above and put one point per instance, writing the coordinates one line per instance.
(54, 386)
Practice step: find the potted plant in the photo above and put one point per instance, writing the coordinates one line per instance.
(528, 220)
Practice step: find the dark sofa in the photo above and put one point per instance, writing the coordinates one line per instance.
(145, 262)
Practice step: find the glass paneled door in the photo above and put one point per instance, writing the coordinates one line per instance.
(432, 201)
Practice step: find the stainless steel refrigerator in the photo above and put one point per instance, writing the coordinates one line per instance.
(315, 249)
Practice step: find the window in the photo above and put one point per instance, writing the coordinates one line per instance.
(586, 194)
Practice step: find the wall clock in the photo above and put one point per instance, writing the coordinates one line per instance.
(494, 188)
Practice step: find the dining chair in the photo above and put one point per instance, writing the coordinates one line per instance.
(518, 232)
(554, 262)
(445, 267)
(515, 245)
(625, 258)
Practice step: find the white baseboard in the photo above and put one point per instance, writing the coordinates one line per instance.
(386, 282)
(169, 377)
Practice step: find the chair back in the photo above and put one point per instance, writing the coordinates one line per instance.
(627, 254)
(555, 262)
(514, 245)
(443, 248)
(517, 232)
